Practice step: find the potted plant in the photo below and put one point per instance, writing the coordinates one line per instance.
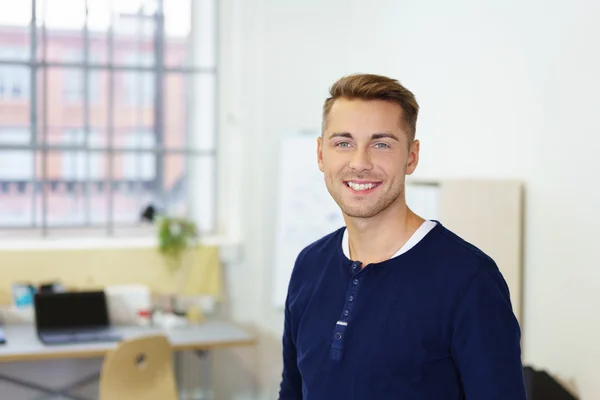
(175, 237)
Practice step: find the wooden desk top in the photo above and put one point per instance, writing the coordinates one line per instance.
(22, 343)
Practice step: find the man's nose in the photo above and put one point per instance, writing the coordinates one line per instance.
(361, 160)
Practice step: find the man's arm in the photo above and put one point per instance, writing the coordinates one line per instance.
(291, 381)
(486, 342)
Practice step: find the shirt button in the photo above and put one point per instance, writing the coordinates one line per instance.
(338, 336)
(346, 313)
(351, 298)
(355, 282)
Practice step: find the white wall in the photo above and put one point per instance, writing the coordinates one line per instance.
(508, 89)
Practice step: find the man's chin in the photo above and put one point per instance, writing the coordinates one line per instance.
(360, 212)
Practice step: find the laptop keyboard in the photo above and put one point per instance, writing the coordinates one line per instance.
(79, 337)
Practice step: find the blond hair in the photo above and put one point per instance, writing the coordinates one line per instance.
(375, 87)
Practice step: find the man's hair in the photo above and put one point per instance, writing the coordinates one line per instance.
(375, 87)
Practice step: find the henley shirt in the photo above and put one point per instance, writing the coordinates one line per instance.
(434, 322)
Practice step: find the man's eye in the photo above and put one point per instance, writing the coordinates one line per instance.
(382, 145)
(343, 144)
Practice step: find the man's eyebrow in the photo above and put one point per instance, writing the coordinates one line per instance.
(384, 135)
(375, 136)
(340, 134)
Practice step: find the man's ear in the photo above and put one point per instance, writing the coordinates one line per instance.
(413, 157)
(320, 152)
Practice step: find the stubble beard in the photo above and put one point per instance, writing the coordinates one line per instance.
(384, 201)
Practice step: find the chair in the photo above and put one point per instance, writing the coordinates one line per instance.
(139, 368)
(541, 385)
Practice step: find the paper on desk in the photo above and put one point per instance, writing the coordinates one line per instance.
(125, 301)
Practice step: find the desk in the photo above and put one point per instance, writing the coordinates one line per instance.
(22, 344)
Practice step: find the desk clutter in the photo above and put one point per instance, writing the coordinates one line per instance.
(61, 315)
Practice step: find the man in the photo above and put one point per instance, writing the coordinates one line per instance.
(391, 306)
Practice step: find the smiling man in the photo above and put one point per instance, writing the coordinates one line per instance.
(391, 306)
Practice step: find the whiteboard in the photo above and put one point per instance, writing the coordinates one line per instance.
(305, 210)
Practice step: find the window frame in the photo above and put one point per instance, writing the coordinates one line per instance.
(38, 69)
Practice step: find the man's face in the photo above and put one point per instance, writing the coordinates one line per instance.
(364, 155)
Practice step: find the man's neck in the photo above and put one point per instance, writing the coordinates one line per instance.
(377, 239)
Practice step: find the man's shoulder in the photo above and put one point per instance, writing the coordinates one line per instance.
(309, 262)
(323, 246)
(457, 248)
(465, 258)
(310, 259)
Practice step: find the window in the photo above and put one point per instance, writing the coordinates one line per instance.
(95, 113)
(14, 83)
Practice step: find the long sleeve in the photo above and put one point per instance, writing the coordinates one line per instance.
(291, 382)
(486, 340)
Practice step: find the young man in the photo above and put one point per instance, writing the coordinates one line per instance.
(391, 306)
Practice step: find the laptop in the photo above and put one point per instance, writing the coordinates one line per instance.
(73, 317)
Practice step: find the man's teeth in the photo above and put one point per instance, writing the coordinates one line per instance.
(361, 186)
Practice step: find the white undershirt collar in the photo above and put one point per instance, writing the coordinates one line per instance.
(415, 238)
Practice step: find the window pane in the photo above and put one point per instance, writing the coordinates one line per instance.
(99, 15)
(15, 90)
(175, 184)
(97, 139)
(14, 104)
(14, 31)
(14, 135)
(134, 185)
(97, 92)
(134, 32)
(16, 165)
(98, 107)
(178, 23)
(65, 136)
(60, 102)
(72, 86)
(75, 188)
(134, 100)
(135, 138)
(65, 203)
(16, 188)
(142, 179)
(65, 112)
(64, 21)
(176, 110)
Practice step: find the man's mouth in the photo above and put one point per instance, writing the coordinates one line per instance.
(363, 187)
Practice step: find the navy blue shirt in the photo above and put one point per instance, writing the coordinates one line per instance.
(435, 323)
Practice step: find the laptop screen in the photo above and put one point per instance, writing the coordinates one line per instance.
(70, 310)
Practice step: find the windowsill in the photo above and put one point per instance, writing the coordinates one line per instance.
(78, 243)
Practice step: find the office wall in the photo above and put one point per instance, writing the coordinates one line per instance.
(507, 88)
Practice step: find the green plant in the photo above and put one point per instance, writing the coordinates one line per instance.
(175, 236)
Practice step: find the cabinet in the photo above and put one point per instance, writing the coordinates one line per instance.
(487, 213)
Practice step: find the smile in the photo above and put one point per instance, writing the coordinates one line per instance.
(363, 187)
